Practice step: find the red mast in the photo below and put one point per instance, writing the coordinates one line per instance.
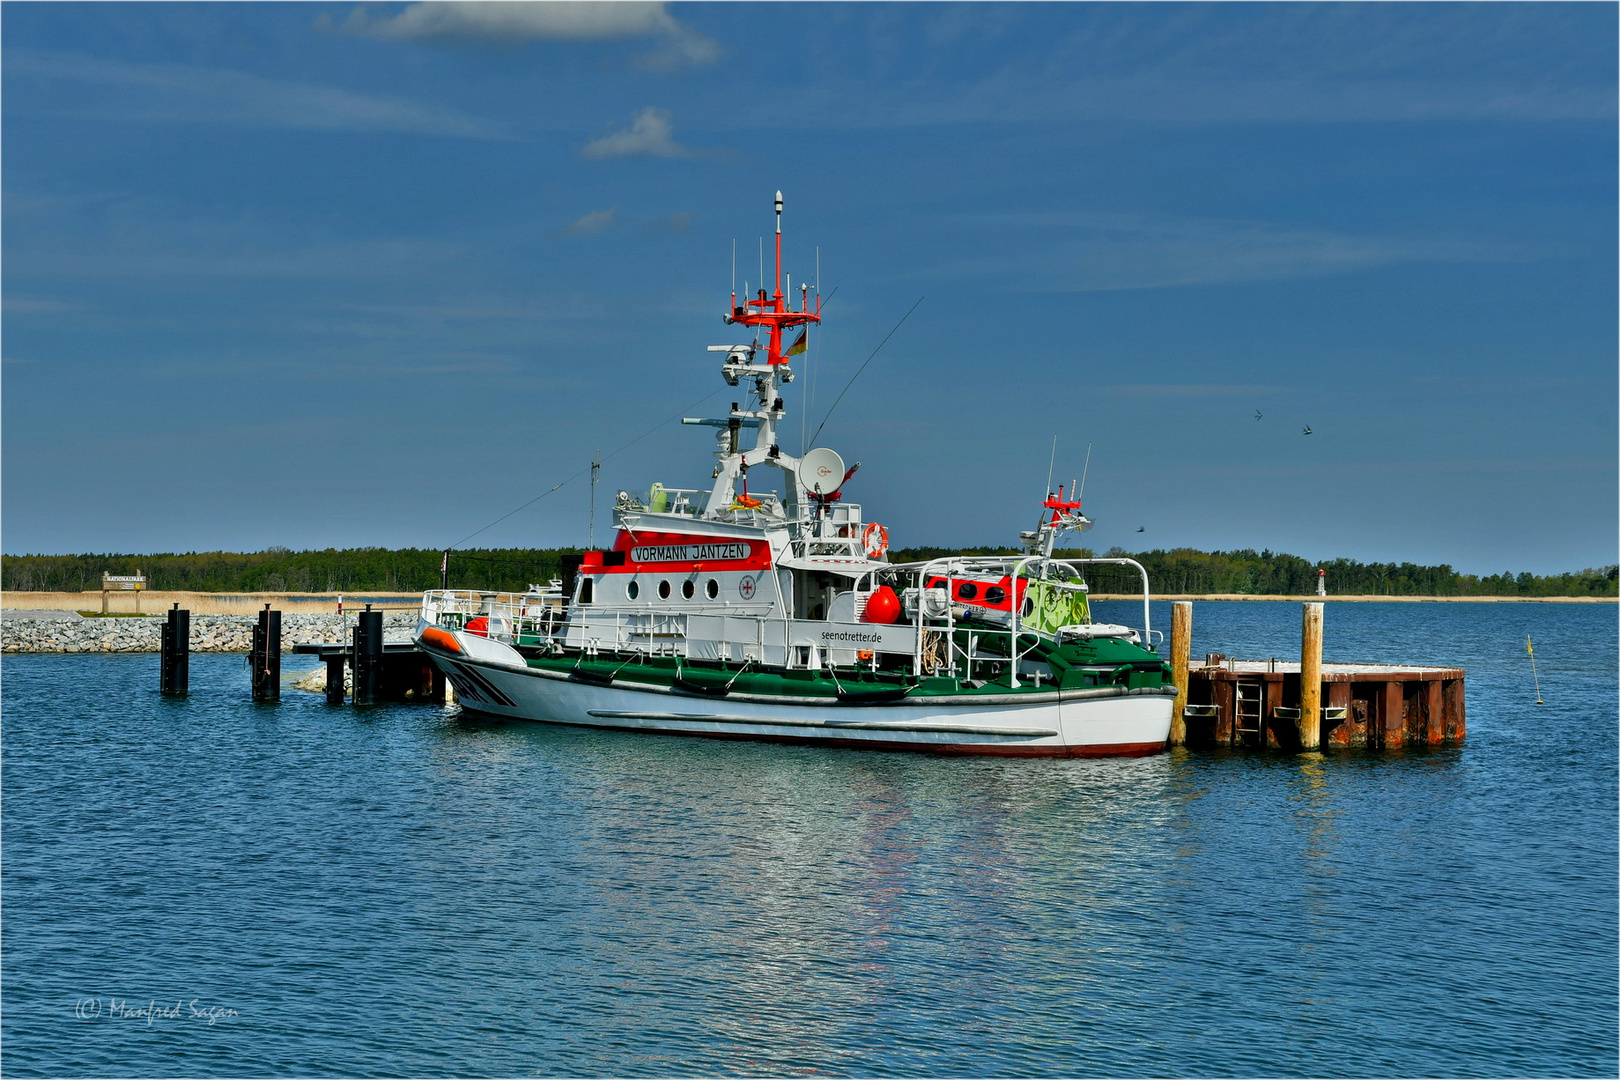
(774, 311)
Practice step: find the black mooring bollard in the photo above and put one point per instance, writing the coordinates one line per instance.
(368, 654)
(265, 657)
(174, 665)
(334, 679)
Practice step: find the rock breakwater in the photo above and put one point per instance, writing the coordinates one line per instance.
(67, 632)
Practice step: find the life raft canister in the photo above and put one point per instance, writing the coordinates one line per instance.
(875, 539)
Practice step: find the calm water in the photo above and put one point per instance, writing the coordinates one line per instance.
(405, 891)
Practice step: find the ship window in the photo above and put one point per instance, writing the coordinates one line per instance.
(995, 594)
(663, 590)
(585, 583)
(967, 590)
(688, 589)
(712, 589)
(632, 590)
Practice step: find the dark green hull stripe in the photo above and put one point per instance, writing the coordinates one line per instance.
(917, 699)
(835, 725)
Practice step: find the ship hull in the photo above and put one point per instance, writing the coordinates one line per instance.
(1106, 722)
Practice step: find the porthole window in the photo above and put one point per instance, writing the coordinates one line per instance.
(1029, 607)
(967, 590)
(995, 594)
(632, 590)
(712, 589)
(688, 589)
(663, 590)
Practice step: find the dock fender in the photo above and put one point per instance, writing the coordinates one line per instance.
(490, 651)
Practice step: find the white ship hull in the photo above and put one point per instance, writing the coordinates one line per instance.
(1070, 723)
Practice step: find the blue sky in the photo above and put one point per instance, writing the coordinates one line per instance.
(331, 274)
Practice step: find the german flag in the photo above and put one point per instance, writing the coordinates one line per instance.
(799, 346)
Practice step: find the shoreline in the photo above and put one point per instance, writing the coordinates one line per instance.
(1370, 599)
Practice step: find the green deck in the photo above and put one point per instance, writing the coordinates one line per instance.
(1075, 665)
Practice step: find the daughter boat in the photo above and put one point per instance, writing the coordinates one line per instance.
(774, 613)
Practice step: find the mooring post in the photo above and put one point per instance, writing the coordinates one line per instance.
(1180, 656)
(334, 679)
(266, 656)
(1310, 679)
(368, 653)
(174, 663)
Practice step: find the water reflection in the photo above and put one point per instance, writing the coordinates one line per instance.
(406, 892)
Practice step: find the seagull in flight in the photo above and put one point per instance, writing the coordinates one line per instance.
(1258, 414)
(1142, 528)
(1307, 429)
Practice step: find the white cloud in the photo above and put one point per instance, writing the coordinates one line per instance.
(593, 222)
(673, 225)
(184, 93)
(649, 133)
(1063, 252)
(36, 305)
(510, 23)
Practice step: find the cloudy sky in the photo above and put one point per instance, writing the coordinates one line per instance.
(331, 274)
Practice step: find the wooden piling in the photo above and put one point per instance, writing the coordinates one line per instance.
(174, 662)
(334, 679)
(265, 656)
(1180, 655)
(1310, 679)
(368, 653)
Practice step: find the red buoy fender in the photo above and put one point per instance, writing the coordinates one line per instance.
(479, 626)
(882, 607)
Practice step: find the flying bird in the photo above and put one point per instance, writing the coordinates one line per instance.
(1307, 429)
(1258, 414)
(1142, 528)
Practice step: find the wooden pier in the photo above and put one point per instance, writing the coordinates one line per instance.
(1306, 704)
(1256, 703)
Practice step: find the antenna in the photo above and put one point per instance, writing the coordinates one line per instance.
(1052, 461)
(862, 368)
(733, 271)
(762, 262)
(596, 467)
(1083, 473)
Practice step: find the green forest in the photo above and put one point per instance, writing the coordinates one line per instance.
(410, 570)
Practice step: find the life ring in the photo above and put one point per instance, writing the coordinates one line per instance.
(875, 539)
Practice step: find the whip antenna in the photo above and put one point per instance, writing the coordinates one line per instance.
(1083, 473)
(1051, 462)
(862, 368)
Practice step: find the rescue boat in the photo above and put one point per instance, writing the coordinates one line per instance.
(772, 611)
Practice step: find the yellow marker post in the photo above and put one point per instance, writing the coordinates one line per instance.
(1529, 648)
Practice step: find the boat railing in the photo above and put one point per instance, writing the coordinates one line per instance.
(932, 632)
(511, 615)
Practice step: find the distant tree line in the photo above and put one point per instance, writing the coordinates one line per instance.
(1267, 573)
(409, 570)
(406, 570)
